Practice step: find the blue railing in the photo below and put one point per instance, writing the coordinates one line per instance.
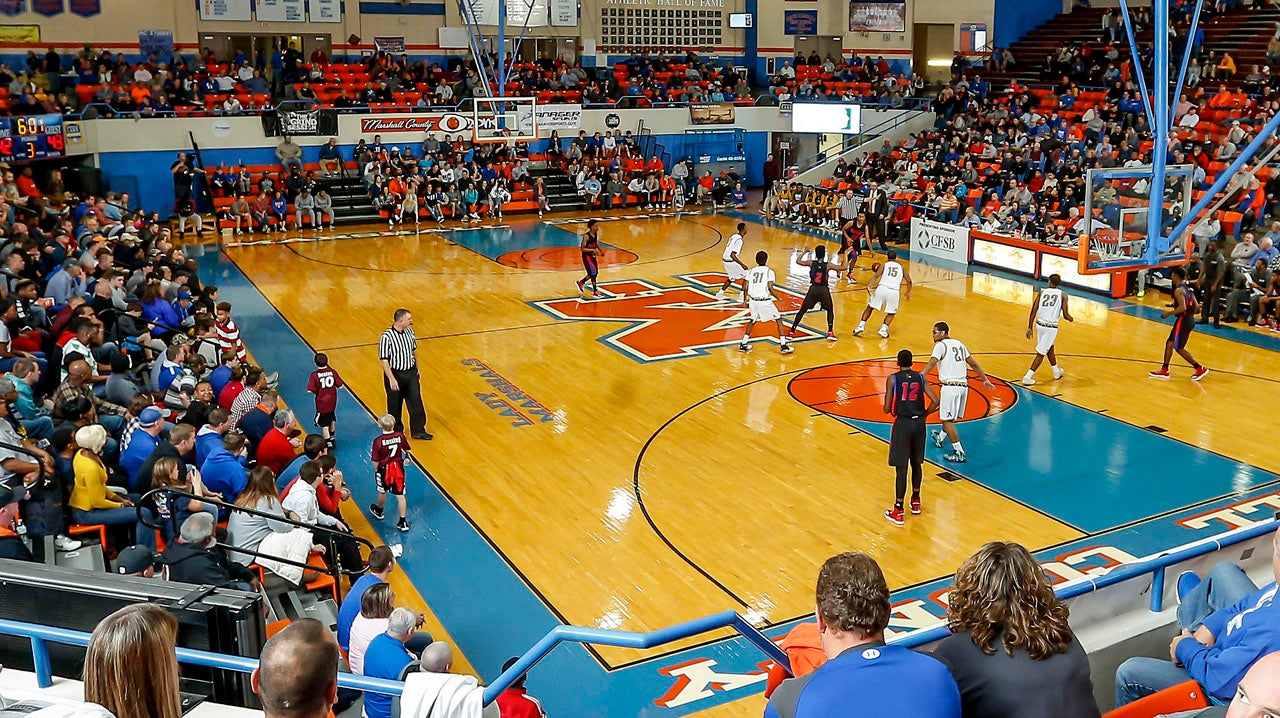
(1155, 567)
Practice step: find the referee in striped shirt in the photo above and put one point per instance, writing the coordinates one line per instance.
(397, 349)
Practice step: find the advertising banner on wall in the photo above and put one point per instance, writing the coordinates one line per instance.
(156, 42)
(936, 239)
(549, 117)
(393, 45)
(711, 113)
(304, 122)
(878, 15)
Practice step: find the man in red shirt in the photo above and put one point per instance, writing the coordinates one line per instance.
(277, 449)
(515, 702)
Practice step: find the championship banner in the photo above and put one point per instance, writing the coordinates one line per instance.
(239, 10)
(940, 240)
(86, 8)
(325, 11)
(13, 7)
(156, 42)
(390, 45)
(48, 8)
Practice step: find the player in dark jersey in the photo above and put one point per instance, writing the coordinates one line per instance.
(590, 257)
(389, 450)
(325, 383)
(909, 398)
(819, 290)
(1184, 308)
(853, 242)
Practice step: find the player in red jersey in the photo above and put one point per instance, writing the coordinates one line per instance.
(1184, 308)
(325, 383)
(591, 252)
(389, 450)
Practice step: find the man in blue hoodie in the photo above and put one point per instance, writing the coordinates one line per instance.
(1227, 625)
(223, 470)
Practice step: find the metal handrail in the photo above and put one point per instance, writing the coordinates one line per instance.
(1155, 567)
(328, 535)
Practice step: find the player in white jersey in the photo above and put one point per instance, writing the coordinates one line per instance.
(953, 360)
(734, 268)
(760, 302)
(886, 290)
(1047, 310)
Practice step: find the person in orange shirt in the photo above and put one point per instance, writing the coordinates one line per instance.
(804, 651)
(667, 186)
(140, 92)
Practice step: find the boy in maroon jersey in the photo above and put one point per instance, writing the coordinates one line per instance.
(325, 383)
(389, 450)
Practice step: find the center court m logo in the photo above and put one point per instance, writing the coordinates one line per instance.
(669, 322)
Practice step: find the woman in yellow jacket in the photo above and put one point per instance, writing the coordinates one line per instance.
(91, 501)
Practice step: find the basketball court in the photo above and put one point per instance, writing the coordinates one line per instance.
(617, 463)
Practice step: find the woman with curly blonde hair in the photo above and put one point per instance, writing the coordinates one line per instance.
(1011, 650)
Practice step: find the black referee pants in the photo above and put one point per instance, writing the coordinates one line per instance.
(410, 392)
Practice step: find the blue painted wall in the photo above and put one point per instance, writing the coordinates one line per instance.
(1015, 18)
(148, 172)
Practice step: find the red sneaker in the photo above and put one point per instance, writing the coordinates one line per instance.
(1199, 373)
(1161, 373)
(895, 516)
(791, 333)
(831, 337)
(580, 282)
(915, 505)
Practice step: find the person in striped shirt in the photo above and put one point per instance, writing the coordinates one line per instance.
(228, 331)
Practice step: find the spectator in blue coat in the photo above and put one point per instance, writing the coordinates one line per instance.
(387, 657)
(209, 437)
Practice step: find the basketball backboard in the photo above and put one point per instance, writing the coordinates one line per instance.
(1117, 205)
(500, 119)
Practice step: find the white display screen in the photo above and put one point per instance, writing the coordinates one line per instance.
(739, 20)
(826, 118)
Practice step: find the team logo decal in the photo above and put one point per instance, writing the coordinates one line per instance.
(670, 322)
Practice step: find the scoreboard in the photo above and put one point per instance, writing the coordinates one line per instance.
(31, 137)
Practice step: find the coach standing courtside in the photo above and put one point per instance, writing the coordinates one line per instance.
(397, 350)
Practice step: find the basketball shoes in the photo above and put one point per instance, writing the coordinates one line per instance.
(1199, 373)
(939, 436)
(1161, 373)
(896, 516)
(915, 505)
(580, 283)
(956, 457)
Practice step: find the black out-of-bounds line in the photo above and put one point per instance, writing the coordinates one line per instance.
(635, 480)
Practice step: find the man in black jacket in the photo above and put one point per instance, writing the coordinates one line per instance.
(194, 558)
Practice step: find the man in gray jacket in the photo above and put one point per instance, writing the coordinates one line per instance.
(324, 208)
(289, 154)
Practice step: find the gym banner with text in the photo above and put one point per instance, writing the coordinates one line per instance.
(939, 240)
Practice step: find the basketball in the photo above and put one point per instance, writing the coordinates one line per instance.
(875, 266)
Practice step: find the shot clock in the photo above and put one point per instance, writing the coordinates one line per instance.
(31, 137)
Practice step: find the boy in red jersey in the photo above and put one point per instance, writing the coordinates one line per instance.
(515, 702)
(389, 450)
(325, 383)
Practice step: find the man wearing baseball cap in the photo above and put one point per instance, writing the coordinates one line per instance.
(142, 442)
(136, 561)
(11, 544)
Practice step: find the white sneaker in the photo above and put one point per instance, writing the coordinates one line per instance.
(720, 296)
(1028, 381)
(884, 333)
(860, 329)
(66, 543)
(1058, 372)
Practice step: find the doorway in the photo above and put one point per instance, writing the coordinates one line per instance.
(825, 45)
(933, 49)
(231, 46)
